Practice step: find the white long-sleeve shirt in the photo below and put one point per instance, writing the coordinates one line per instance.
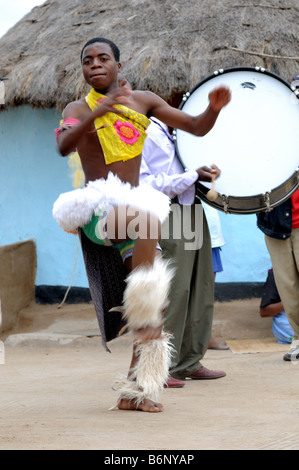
(161, 167)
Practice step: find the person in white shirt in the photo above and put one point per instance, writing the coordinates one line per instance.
(189, 314)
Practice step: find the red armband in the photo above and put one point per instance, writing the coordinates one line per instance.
(66, 124)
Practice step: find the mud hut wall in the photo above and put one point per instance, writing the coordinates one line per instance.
(17, 281)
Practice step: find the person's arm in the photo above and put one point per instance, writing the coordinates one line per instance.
(171, 185)
(198, 125)
(69, 139)
(156, 160)
(271, 310)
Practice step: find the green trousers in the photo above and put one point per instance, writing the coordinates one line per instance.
(189, 315)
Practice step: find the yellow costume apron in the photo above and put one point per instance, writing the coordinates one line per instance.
(121, 135)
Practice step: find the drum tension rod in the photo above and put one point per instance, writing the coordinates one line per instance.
(267, 201)
(225, 202)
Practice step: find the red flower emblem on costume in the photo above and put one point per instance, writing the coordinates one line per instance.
(127, 132)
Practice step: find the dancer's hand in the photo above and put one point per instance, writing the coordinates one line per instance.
(118, 96)
(219, 98)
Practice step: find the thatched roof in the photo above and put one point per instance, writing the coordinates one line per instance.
(167, 46)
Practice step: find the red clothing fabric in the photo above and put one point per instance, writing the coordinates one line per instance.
(295, 211)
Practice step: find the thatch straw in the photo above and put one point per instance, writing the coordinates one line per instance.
(167, 46)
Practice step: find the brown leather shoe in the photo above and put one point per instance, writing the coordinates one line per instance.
(205, 374)
(171, 382)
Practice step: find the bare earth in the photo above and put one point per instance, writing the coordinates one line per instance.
(55, 390)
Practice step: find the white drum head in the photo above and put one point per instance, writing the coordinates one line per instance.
(255, 141)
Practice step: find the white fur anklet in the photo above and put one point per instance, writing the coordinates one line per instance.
(149, 374)
(146, 295)
(151, 370)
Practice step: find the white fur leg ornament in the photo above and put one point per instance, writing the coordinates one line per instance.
(149, 374)
(146, 295)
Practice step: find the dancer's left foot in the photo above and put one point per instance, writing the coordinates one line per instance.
(146, 405)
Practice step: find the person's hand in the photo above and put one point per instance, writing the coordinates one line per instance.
(206, 173)
(122, 93)
(118, 96)
(219, 98)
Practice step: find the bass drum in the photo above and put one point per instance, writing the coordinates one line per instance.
(255, 141)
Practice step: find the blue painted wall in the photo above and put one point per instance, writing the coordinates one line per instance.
(32, 175)
(245, 257)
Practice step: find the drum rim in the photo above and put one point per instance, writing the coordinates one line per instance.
(291, 185)
(218, 72)
(203, 189)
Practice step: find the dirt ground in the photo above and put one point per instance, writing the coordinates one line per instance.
(55, 390)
